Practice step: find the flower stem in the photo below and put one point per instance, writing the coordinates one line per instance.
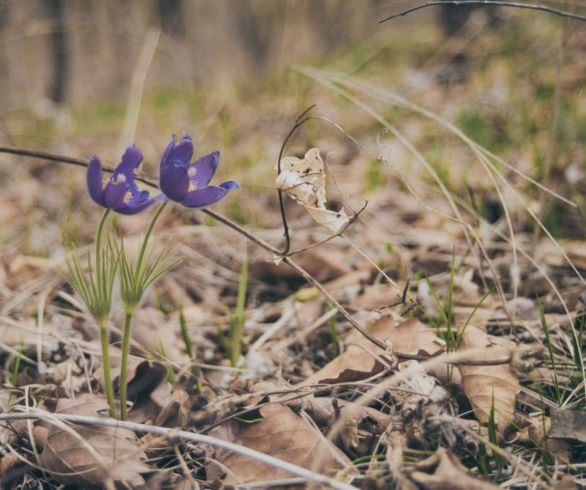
(130, 308)
(146, 239)
(124, 363)
(99, 236)
(107, 376)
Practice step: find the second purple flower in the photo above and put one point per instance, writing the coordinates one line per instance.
(186, 182)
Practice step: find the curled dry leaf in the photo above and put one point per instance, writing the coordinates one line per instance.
(362, 425)
(89, 455)
(487, 386)
(358, 360)
(279, 433)
(414, 387)
(448, 472)
(148, 389)
(304, 180)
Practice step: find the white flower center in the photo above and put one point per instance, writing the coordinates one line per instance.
(120, 179)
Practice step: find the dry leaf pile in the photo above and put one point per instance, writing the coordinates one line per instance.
(301, 397)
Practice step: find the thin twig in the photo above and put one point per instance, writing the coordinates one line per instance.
(188, 436)
(528, 6)
(300, 121)
(47, 156)
(327, 239)
(81, 162)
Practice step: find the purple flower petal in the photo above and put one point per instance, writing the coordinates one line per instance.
(204, 169)
(201, 198)
(173, 181)
(178, 153)
(115, 192)
(165, 157)
(230, 184)
(120, 193)
(137, 208)
(95, 184)
(130, 162)
(138, 202)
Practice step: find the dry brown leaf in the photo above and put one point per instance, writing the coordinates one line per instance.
(8, 463)
(281, 434)
(23, 333)
(448, 472)
(567, 482)
(304, 180)
(176, 412)
(24, 268)
(324, 266)
(148, 388)
(568, 424)
(151, 329)
(89, 455)
(536, 431)
(486, 386)
(376, 296)
(348, 280)
(409, 337)
(357, 361)
(362, 425)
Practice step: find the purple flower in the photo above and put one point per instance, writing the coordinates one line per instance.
(188, 183)
(119, 193)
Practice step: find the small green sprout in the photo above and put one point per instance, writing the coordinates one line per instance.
(187, 341)
(233, 344)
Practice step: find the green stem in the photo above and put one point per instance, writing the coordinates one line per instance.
(99, 236)
(123, 364)
(107, 376)
(146, 239)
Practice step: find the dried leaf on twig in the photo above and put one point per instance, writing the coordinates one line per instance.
(304, 180)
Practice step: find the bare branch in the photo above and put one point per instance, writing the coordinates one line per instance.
(528, 6)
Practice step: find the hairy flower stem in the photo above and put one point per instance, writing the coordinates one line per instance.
(104, 326)
(130, 309)
(124, 363)
(107, 376)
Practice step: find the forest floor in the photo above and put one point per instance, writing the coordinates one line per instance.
(426, 332)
